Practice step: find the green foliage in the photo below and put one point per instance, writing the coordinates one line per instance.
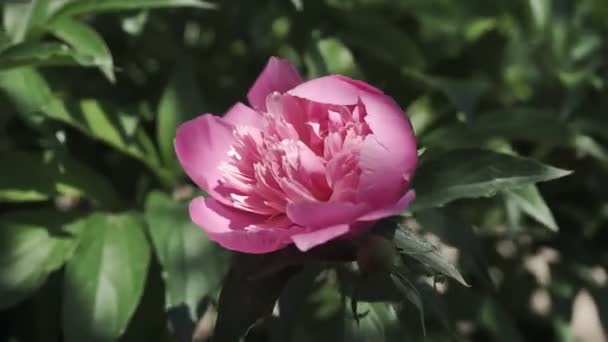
(95, 235)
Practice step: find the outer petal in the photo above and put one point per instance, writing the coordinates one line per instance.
(238, 230)
(396, 209)
(317, 215)
(383, 177)
(201, 145)
(329, 89)
(242, 115)
(306, 241)
(278, 75)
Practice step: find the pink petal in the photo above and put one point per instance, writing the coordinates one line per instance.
(383, 177)
(392, 129)
(238, 230)
(306, 241)
(328, 89)
(324, 214)
(396, 209)
(242, 115)
(201, 145)
(278, 75)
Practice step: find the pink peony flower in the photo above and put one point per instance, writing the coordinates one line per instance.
(310, 162)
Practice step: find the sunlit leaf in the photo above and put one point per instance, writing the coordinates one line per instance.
(86, 42)
(105, 278)
(193, 266)
(33, 243)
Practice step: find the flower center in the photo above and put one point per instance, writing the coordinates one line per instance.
(305, 151)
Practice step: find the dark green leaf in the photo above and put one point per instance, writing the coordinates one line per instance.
(36, 176)
(105, 278)
(379, 323)
(85, 42)
(34, 54)
(529, 200)
(245, 300)
(411, 245)
(180, 101)
(193, 266)
(32, 245)
(472, 173)
(454, 231)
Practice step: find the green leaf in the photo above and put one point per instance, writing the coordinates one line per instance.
(20, 19)
(244, 299)
(392, 46)
(379, 323)
(337, 57)
(39, 176)
(34, 54)
(454, 231)
(104, 280)
(180, 101)
(72, 8)
(33, 243)
(410, 244)
(529, 200)
(86, 42)
(463, 94)
(193, 266)
(36, 104)
(472, 173)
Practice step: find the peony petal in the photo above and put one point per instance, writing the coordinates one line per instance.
(242, 115)
(306, 241)
(329, 89)
(396, 209)
(201, 145)
(383, 177)
(324, 214)
(392, 129)
(238, 230)
(278, 75)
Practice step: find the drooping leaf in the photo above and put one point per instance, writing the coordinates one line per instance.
(38, 176)
(193, 266)
(454, 231)
(472, 173)
(33, 243)
(411, 245)
(180, 101)
(72, 8)
(86, 42)
(34, 54)
(529, 200)
(105, 278)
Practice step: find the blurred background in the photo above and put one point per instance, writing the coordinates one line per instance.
(95, 240)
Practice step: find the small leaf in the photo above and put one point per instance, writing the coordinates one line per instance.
(245, 300)
(529, 200)
(414, 246)
(34, 54)
(32, 245)
(472, 173)
(193, 266)
(105, 278)
(86, 42)
(180, 101)
(36, 177)
(454, 231)
(72, 8)
(409, 291)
